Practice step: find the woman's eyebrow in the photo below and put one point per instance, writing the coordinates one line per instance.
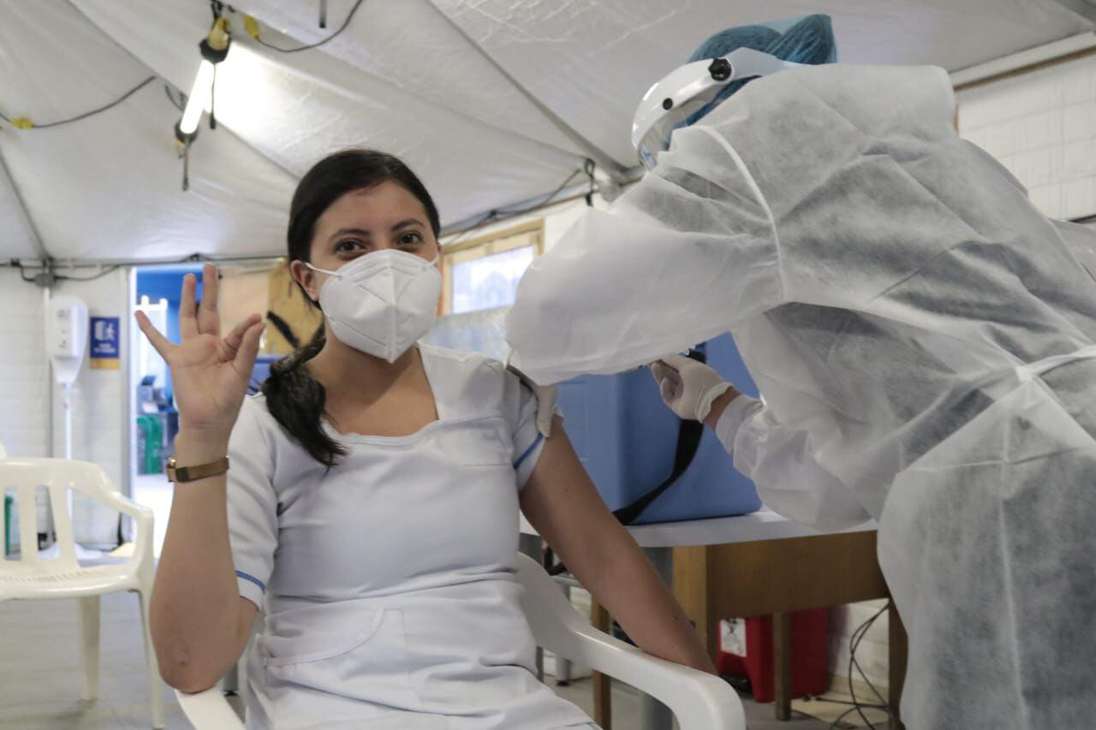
(407, 222)
(347, 231)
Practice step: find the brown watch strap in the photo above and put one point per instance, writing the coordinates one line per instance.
(178, 473)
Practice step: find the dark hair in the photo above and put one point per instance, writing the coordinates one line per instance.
(294, 398)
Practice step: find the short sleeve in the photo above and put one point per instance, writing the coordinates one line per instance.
(528, 441)
(252, 503)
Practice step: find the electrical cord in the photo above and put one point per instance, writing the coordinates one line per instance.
(317, 44)
(23, 268)
(105, 272)
(857, 706)
(50, 265)
(22, 122)
(179, 103)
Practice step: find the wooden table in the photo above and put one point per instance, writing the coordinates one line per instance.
(761, 565)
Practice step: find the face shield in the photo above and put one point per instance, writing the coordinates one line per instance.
(687, 90)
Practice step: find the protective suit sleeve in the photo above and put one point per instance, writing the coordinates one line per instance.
(781, 463)
(252, 504)
(684, 254)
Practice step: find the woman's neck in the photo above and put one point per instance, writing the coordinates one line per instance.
(351, 375)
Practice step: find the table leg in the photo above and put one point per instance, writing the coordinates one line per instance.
(603, 701)
(899, 649)
(782, 654)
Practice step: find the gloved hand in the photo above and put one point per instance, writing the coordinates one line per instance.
(687, 386)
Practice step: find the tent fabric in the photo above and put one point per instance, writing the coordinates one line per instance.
(492, 102)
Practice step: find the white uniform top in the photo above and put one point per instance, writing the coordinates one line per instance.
(387, 581)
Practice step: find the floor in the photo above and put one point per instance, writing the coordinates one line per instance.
(40, 678)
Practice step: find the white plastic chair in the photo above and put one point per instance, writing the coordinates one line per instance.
(32, 578)
(699, 701)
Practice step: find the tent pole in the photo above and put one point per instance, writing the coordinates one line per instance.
(1017, 64)
(37, 239)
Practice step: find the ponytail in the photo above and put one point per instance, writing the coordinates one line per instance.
(296, 400)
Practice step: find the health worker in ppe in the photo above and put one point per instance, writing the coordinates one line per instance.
(369, 502)
(923, 337)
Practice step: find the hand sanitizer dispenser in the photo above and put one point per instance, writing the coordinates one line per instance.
(66, 344)
(66, 336)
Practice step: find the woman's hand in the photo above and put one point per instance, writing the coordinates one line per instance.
(210, 374)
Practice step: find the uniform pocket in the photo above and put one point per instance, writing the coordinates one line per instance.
(314, 647)
(361, 671)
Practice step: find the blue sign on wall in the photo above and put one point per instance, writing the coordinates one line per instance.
(105, 343)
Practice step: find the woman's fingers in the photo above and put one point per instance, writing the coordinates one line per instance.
(161, 343)
(235, 337)
(188, 319)
(209, 322)
(249, 349)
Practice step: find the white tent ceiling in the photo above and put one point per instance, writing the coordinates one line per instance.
(492, 102)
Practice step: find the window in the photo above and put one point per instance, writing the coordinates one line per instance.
(484, 273)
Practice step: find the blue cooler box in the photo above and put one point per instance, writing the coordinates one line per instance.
(627, 440)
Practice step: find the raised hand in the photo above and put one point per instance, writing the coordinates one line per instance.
(210, 373)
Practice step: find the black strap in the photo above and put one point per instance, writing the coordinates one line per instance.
(689, 434)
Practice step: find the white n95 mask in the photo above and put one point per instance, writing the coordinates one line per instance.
(381, 303)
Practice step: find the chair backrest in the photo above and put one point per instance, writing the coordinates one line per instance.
(59, 477)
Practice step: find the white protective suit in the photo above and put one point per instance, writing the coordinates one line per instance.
(924, 341)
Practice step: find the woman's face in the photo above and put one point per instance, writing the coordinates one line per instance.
(364, 221)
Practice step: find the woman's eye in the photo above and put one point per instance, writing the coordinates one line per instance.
(410, 239)
(348, 245)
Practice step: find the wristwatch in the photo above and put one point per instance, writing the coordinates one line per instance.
(176, 473)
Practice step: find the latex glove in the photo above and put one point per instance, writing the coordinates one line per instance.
(687, 386)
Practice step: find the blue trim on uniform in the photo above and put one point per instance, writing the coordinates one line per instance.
(253, 579)
(531, 449)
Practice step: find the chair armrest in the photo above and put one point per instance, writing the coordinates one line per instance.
(698, 700)
(209, 710)
(141, 514)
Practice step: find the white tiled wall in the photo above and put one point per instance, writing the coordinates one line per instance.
(24, 377)
(99, 422)
(1042, 126)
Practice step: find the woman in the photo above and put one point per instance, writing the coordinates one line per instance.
(371, 508)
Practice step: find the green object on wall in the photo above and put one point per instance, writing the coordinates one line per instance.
(10, 538)
(151, 446)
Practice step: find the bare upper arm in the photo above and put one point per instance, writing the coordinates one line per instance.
(562, 503)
